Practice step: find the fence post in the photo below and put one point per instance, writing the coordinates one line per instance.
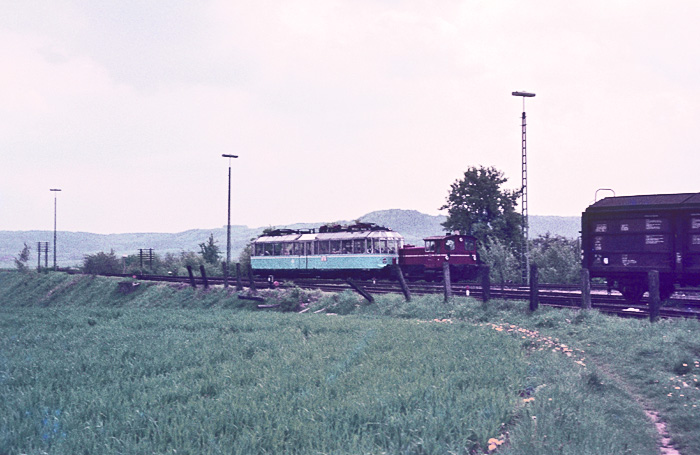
(534, 288)
(192, 282)
(251, 281)
(402, 282)
(360, 290)
(654, 295)
(204, 276)
(447, 280)
(485, 283)
(239, 284)
(224, 269)
(585, 289)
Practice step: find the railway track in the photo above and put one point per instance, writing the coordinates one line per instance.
(683, 304)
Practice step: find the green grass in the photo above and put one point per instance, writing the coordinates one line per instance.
(84, 369)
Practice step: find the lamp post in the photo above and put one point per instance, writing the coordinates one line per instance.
(55, 197)
(525, 258)
(228, 225)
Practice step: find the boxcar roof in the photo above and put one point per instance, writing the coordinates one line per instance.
(648, 201)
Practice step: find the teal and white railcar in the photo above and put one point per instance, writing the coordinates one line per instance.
(359, 250)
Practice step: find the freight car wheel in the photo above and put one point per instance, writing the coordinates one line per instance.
(632, 291)
(666, 289)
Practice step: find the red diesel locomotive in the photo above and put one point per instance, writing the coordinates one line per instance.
(426, 262)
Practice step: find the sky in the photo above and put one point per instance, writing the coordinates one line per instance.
(336, 108)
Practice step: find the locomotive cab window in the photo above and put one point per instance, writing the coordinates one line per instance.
(449, 245)
(469, 244)
(430, 246)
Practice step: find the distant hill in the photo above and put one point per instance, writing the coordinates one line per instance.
(73, 246)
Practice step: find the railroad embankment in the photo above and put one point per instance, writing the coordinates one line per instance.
(60, 289)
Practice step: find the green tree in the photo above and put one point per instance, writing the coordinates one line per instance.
(477, 205)
(102, 264)
(244, 258)
(210, 251)
(503, 264)
(22, 259)
(558, 259)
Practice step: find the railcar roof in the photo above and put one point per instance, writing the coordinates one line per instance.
(344, 235)
(653, 201)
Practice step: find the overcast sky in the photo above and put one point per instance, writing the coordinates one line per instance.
(336, 108)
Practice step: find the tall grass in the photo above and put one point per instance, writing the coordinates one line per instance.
(84, 369)
(129, 381)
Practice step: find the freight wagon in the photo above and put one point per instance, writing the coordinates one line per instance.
(625, 237)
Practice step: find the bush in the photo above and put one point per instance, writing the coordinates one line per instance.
(102, 264)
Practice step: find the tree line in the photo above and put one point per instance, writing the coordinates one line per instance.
(476, 205)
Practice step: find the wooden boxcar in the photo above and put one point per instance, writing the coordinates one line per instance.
(625, 237)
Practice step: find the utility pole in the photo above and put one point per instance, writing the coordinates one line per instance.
(525, 249)
(228, 224)
(55, 197)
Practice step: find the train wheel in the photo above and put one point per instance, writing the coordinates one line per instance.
(632, 291)
(666, 289)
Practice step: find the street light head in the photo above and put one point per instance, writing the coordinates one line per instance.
(525, 94)
(54, 189)
(230, 156)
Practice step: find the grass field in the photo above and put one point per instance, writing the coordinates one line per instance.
(84, 369)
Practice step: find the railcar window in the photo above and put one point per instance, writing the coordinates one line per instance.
(358, 246)
(298, 249)
(335, 246)
(269, 250)
(324, 247)
(277, 249)
(347, 247)
(391, 246)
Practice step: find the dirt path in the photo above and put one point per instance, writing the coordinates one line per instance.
(578, 356)
(665, 446)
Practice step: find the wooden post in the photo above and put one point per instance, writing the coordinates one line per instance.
(251, 281)
(223, 269)
(192, 282)
(204, 276)
(654, 295)
(360, 290)
(585, 289)
(402, 282)
(534, 288)
(447, 280)
(485, 283)
(239, 284)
